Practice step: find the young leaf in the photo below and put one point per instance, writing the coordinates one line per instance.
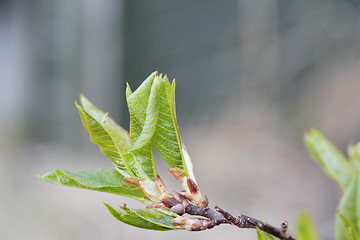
(120, 135)
(143, 109)
(137, 104)
(332, 161)
(350, 229)
(148, 126)
(103, 180)
(349, 208)
(305, 229)
(111, 138)
(264, 235)
(167, 136)
(149, 218)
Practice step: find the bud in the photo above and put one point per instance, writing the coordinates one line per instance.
(195, 193)
(192, 190)
(178, 208)
(147, 186)
(179, 175)
(160, 185)
(180, 198)
(193, 224)
(169, 201)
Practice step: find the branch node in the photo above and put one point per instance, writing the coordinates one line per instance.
(284, 228)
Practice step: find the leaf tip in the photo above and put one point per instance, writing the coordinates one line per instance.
(38, 176)
(82, 98)
(178, 173)
(310, 132)
(128, 91)
(84, 101)
(77, 105)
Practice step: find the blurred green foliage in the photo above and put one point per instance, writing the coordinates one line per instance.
(345, 171)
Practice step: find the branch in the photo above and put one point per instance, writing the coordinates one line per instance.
(241, 221)
(180, 203)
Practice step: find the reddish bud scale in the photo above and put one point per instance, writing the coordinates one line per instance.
(132, 181)
(160, 185)
(169, 201)
(193, 188)
(178, 173)
(178, 209)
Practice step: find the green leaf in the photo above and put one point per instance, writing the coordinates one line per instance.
(167, 136)
(264, 235)
(137, 104)
(305, 229)
(113, 140)
(332, 161)
(143, 109)
(103, 180)
(349, 208)
(149, 218)
(350, 229)
(148, 126)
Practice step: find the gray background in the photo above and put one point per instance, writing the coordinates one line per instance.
(252, 76)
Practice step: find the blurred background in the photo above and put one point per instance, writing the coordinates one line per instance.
(252, 76)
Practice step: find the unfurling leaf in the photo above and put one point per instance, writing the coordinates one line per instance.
(153, 125)
(113, 140)
(305, 229)
(149, 218)
(349, 210)
(264, 235)
(143, 109)
(167, 136)
(103, 180)
(331, 159)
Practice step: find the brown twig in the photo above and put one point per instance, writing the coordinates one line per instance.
(182, 202)
(242, 221)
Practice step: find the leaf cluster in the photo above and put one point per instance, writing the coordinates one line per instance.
(153, 126)
(346, 172)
